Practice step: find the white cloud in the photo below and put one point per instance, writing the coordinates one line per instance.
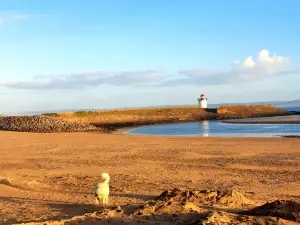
(19, 16)
(89, 79)
(248, 63)
(10, 17)
(197, 73)
(263, 66)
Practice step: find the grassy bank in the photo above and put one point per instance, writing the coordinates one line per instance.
(251, 111)
(114, 119)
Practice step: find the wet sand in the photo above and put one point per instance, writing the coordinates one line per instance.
(51, 176)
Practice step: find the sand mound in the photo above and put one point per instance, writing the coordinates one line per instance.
(41, 124)
(230, 198)
(184, 201)
(289, 210)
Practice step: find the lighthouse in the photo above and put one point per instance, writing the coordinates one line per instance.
(202, 101)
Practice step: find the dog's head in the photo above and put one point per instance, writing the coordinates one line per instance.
(105, 176)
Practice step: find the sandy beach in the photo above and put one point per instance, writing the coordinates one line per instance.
(47, 177)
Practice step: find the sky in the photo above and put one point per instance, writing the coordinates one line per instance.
(96, 54)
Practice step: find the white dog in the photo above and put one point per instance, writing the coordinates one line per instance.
(102, 190)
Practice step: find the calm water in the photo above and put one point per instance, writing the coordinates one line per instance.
(217, 128)
(292, 108)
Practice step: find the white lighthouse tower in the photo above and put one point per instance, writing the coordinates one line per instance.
(202, 101)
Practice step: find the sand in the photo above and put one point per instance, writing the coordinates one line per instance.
(50, 177)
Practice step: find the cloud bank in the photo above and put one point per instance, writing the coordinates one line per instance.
(250, 69)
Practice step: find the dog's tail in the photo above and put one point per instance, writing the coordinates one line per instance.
(105, 176)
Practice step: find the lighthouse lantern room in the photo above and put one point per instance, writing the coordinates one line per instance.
(202, 101)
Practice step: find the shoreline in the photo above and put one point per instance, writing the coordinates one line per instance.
(116, 128)
(281, 120)
(264, 120)
(124, 126)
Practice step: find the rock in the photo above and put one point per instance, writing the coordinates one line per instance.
(41, 124)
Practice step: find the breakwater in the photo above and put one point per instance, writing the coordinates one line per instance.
(110, 120)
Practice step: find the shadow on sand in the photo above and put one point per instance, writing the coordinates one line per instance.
(62, 210)
(66, 210)
(136, 196)
(191, 218)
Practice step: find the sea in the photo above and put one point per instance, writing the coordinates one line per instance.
(220, 129)
(291, 108)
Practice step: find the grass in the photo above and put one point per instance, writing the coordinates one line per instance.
(83, 113)
(111, 119)
(250, 111)
(50, 114)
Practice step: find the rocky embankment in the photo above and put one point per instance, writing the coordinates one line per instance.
(41, 124)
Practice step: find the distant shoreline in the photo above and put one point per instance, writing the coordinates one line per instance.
(293, 120)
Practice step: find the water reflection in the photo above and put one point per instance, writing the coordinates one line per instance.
(205, 128)
(217, 128)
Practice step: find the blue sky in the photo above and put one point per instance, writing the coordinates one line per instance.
(122, 53)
